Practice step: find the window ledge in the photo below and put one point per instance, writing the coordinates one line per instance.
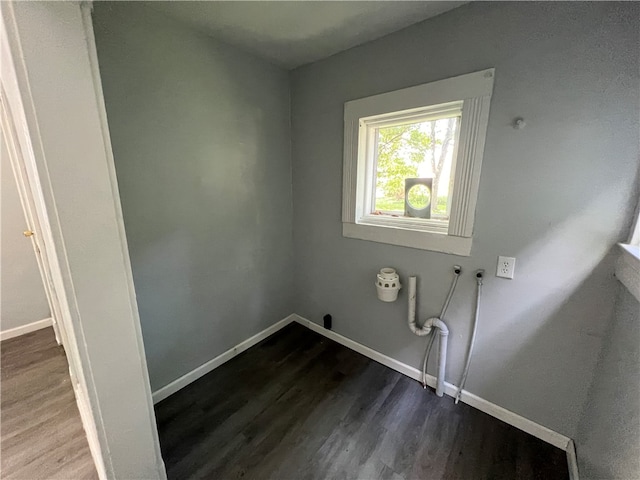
(628, 268)
(436, 242)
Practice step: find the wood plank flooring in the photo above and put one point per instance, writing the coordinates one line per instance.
(41, 434)
(300, 406)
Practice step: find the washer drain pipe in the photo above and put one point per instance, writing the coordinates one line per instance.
(433, 322)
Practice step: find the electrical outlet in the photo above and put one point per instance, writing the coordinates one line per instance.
(506, 267)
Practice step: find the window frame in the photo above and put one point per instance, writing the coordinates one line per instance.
(627, 268)
(469, 94)
(367, 155)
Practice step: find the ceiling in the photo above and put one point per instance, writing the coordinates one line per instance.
(291, 34)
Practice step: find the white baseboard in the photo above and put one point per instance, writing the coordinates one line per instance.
(372, 354)
(28, 328)
(529, 426)
(543, 433)
(205, 368)
(540, 431)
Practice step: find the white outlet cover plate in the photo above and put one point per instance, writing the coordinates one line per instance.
(506, 267)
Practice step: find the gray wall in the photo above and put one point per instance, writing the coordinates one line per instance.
(201, 140)
(23, 297)
(556, 195)
(608, 439)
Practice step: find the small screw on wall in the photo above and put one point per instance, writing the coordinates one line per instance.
(519, 123)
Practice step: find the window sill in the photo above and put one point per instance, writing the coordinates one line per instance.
(628, 268)
(406, 223)
(436, 242)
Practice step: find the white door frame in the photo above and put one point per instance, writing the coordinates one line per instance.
(33, 203)
(53, 109)
(31, 219)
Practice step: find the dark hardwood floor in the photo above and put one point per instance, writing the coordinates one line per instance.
(300, 406)
(40, 427)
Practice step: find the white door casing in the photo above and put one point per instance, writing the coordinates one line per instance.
(28, 207)
(54, 97)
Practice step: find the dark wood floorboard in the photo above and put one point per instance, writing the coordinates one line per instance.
(41, 434)
(300, 406)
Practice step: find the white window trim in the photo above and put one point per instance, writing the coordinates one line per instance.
(628, 261)
(471, 93)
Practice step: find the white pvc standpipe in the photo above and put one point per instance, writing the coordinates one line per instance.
(411, 319)
(443, 336)
(434, 322)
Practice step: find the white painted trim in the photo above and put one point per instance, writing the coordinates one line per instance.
(469, 150)
(90, 430)
(27, 201)
(529, 426)
(634, 237)
(119, 430)
(628, 268)
(572, 461)
(28, 328)
(432, 225)
(543, 433)
(392, 363)
(26, 141)
(472, 92)
(214, 363)
(87, 21)
(453, 89)
(437, 242)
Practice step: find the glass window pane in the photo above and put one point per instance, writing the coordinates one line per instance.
(416, 150)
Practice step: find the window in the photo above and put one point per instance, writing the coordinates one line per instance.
(412, 163)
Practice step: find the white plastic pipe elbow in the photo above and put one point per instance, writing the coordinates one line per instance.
(437, 323)
(443, 335)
